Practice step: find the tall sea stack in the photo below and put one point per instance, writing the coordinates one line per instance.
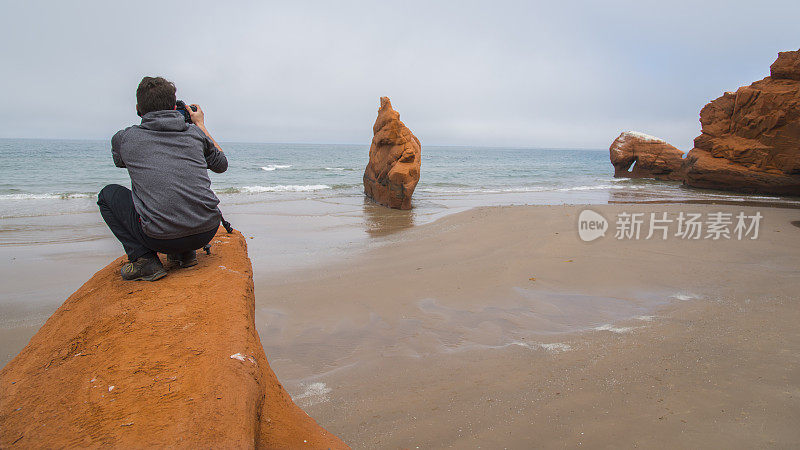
(394, 160)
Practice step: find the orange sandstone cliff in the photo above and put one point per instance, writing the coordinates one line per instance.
(394, 160)
(750, 138)
(176, 363)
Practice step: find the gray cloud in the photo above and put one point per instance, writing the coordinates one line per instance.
(556, 74)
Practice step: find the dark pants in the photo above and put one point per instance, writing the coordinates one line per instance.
(116, 207)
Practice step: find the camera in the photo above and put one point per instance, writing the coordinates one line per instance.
(181, 106)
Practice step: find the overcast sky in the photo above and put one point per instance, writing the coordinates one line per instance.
(492, 73)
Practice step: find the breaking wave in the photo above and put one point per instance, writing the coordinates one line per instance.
(271, 167)
(500, 190)
(275, 188)
(52, 195)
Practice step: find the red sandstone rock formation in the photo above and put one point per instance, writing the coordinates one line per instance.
(651, 157)
(750, 139)
(177, 363)
(394, 160)
(786, 67)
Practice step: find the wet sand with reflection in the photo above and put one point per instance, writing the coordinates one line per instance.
(398, 329)
(499, 327)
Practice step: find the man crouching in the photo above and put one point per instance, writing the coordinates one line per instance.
(172, 208)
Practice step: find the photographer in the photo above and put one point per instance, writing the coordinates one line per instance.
(172, 208)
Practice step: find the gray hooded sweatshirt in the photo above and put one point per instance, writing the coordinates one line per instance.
(167, 160)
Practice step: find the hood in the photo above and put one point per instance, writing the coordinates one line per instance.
(165, 120)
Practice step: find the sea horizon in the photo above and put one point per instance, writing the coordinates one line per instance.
(41, 169)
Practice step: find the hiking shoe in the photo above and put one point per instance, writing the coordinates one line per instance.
(185, 259)
(147, 268)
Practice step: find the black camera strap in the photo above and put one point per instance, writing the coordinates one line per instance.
(226, 224)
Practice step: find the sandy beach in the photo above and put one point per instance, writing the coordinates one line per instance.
(497, 326)
(440, 338)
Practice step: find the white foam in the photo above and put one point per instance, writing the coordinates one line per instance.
(645, 318)
(271, 167)
(334, 168)
(286, 188)
(597, 187)
(316, 392)
(56, 195)
(555, 347)
(685, 296)
(600, 187)
(613, 329)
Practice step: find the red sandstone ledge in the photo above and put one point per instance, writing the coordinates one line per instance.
(176, 363)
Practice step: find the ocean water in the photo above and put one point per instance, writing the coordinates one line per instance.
(44, 177)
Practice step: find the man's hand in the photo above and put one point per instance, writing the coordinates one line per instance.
(196, 116)
(197, 119)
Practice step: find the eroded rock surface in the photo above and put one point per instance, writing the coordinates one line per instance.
(750, 139)
(394, 164)
(650, 157)
(175, 363)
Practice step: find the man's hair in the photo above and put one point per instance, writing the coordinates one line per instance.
(155, 94)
